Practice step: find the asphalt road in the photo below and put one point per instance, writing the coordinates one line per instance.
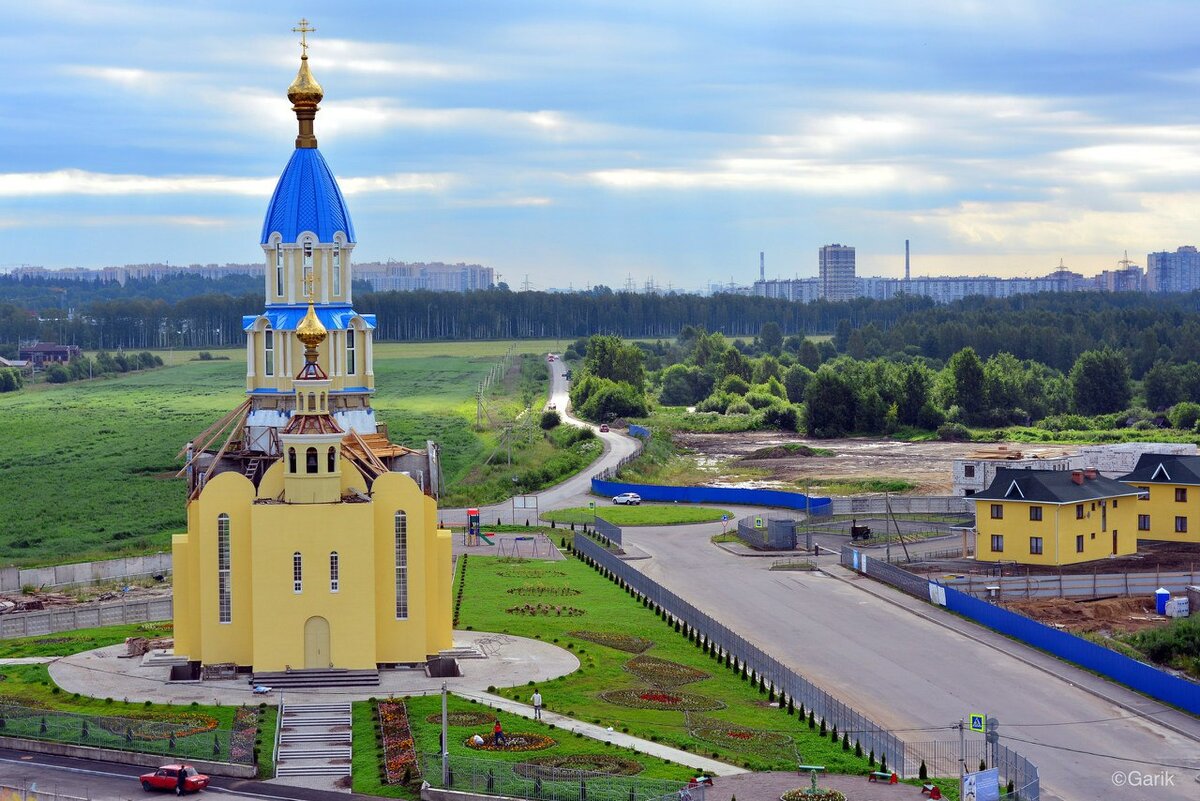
(104, 781)
(907, 667)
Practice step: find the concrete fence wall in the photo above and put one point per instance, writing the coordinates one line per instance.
(83, 616)
(12, 579)
(902, 504)
(1095, 585)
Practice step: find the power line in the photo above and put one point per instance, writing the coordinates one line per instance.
(1121, 758)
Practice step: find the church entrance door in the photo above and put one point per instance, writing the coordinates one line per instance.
(316, 643)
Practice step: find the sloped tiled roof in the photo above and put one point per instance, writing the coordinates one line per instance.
(1050, 486)
(1161, 468)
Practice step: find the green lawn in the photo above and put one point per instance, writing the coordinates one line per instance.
(664, 515)
(72, 642)
(87, 467)
(746, 731)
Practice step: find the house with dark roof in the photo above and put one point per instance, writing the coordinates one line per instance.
(1169, 494)
(49, 353)
(1054, 517)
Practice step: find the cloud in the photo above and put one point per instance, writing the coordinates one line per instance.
(82, 182)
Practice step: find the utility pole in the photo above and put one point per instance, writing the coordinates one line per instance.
(445, 742)
(962, 749)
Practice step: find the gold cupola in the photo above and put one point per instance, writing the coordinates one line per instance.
(312, 333)
(305, 93)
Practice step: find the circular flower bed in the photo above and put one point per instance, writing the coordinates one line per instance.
(663, 673)
(569, 767)
(743, 739)
(517, 741)
(622, 642)
(464, 718)
(542, 589)
(544, 609)
(658, 699)
(806, 794)
(530, 572)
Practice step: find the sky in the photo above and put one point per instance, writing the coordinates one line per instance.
(585, 142)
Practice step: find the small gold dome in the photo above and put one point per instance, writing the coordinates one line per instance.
(305, 92)
(310, 331)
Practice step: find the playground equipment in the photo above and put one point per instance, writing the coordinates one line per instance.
(532, 546)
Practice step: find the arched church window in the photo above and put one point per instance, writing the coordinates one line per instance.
(297, 573)
(332, 460)
(337, 268)
(291, 460)
(333, 571)
(269, 352)
(312, 401)
(350, 361)
(310, 461)
(401, 566)
(224, 589)
(279, 269)
(308, 261)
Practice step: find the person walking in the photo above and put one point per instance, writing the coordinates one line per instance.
(181, 777)
(537, 704)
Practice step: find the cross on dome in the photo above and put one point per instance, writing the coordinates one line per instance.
(304, 30)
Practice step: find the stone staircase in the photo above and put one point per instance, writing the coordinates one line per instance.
(162, 657)
(462, 652)
(314, 740)
(315, 677)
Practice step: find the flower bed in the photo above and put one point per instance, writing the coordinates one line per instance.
(622, 642)
(245, 731)
(663, 673)
(399, 757)
(658, 699)
(766, 743)
(554, 768)
(530, 572)
(806, 794)
(544, 609)
(542, 589)
(517, 741)
(464, 718)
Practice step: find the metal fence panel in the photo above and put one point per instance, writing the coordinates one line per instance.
(608, 530)
(602, 485)
(11, 792)
(1076, 585)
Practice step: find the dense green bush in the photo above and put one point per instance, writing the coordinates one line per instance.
(551, 419)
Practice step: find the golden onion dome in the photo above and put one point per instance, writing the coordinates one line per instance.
(305, 92)
(310, 331)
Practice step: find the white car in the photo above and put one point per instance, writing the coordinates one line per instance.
(630, 498)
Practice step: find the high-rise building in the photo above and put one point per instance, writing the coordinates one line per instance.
(1173, 272)
(836, 272)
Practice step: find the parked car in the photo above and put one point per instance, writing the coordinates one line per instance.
(551, 406)
(604, 428)
(628, 498)
(550, 358)
(167, 778)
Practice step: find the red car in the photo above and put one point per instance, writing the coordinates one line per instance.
(167, 778)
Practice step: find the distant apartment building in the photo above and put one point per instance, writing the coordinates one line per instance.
(436, 277)
(801, 290)
(835, 272)
(1173, 272)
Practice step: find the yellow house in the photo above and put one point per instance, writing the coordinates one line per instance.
(303, 550)
(1054, 517)
(1169, 491)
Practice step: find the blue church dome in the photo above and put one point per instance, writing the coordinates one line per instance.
(307, 198)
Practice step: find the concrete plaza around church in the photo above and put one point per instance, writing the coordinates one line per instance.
(510, 661)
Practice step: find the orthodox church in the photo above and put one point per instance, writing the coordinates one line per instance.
(312, 541)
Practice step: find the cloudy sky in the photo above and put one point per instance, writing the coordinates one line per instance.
(583, 142)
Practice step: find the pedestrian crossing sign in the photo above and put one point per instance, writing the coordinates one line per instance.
(978, 722)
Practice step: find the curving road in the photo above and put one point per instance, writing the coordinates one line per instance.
(909, 665)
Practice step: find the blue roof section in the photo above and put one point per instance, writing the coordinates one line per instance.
(286, 318)
(307, 198)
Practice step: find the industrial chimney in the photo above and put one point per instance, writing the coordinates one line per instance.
(906, 274)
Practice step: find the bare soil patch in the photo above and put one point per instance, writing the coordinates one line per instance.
(1110, 615)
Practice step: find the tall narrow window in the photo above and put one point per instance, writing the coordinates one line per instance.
(224, 590)
(350, 351)
(337, 268)
(308, 263)
(269, 352)
(279, 269)
(291, 460)
(401, 566)
(332, 460)
(333, 572)
(297, 573)
(310, 461)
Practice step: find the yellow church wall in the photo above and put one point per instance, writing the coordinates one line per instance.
(185, 602)
(409, 640)
(231, 494)
(280, 613)
(1163, 509)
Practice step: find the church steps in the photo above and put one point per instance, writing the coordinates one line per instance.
(333, 677)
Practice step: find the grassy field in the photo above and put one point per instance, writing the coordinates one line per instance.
(665, 515)
(87, 468)
(746, 730)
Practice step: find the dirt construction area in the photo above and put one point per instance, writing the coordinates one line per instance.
(1109, 615)
(926, 464)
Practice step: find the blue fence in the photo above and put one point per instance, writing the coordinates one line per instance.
(731, 495)
(639, 431)
(1138, 675)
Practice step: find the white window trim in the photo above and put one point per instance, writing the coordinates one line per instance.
(401, 542)
(335, 571)
(224, 572)
(297, 573)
